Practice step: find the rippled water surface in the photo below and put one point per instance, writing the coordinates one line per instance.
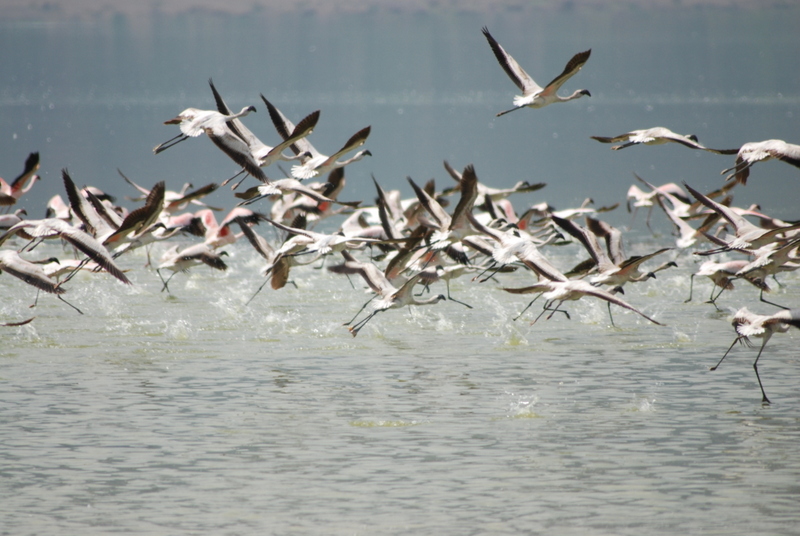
(194, 413)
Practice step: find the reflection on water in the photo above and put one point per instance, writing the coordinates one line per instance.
(196, 413)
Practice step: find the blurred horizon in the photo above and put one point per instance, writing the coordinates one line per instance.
(104, 9)
(91, 95)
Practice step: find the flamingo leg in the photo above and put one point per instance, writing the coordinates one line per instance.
(764, 399)
(527, 307)
(35, 301)
(737, 339)
(257, 291)
(355, 329)
(556, 310)
(75, 271)
(691, 289)
(359, 311)
(166, 283)
(447, 282)
(238, 183)
(65, 301)
(647, 219)
(761, 298)
(544, 309)
(610, 316)
(713, 299)
(226, 181)
(170, 143)
(490, 276)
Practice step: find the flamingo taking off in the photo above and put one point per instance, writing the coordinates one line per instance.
(389, 296)
(54, 227)
(181, 261)
(748, 324)
(31, 273)
(723, 274)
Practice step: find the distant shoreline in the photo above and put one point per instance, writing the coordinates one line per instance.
(106, 9)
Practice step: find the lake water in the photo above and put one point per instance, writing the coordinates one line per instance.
(193, 413)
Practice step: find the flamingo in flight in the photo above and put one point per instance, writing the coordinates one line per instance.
(215, 125)
(533, 95)
(759, 151)
(658, 136)
(315, 163)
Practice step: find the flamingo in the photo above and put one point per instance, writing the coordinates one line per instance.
(614, 270)
(177, 260)
(263, 153)
(723, 274)
(568, 290)
(770, 260)
(105, 225)
(288, 184)
(682, 206)
(221, 234)
(533, 95)
(31, 273)
(315, 163)
(194, 122)
(747, 235)
(759, 151)
(557, 287)
(658, 136)
(687, 235)
(450, 229)
(57, 208)
(516, 245)
(388, 296)
(84, 242)
(11, 193)
(7, 220)
(323, 244)
(176, 201)
(277, 267)
(488, 194)
(748, 324)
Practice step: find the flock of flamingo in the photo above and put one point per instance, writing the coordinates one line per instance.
(413, 243)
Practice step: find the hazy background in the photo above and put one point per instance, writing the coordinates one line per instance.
(193, 413)
(90, 88)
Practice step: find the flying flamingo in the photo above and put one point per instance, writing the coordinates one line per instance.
(315, 163)
(759, 151)
(658, 136)
(533, 95)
